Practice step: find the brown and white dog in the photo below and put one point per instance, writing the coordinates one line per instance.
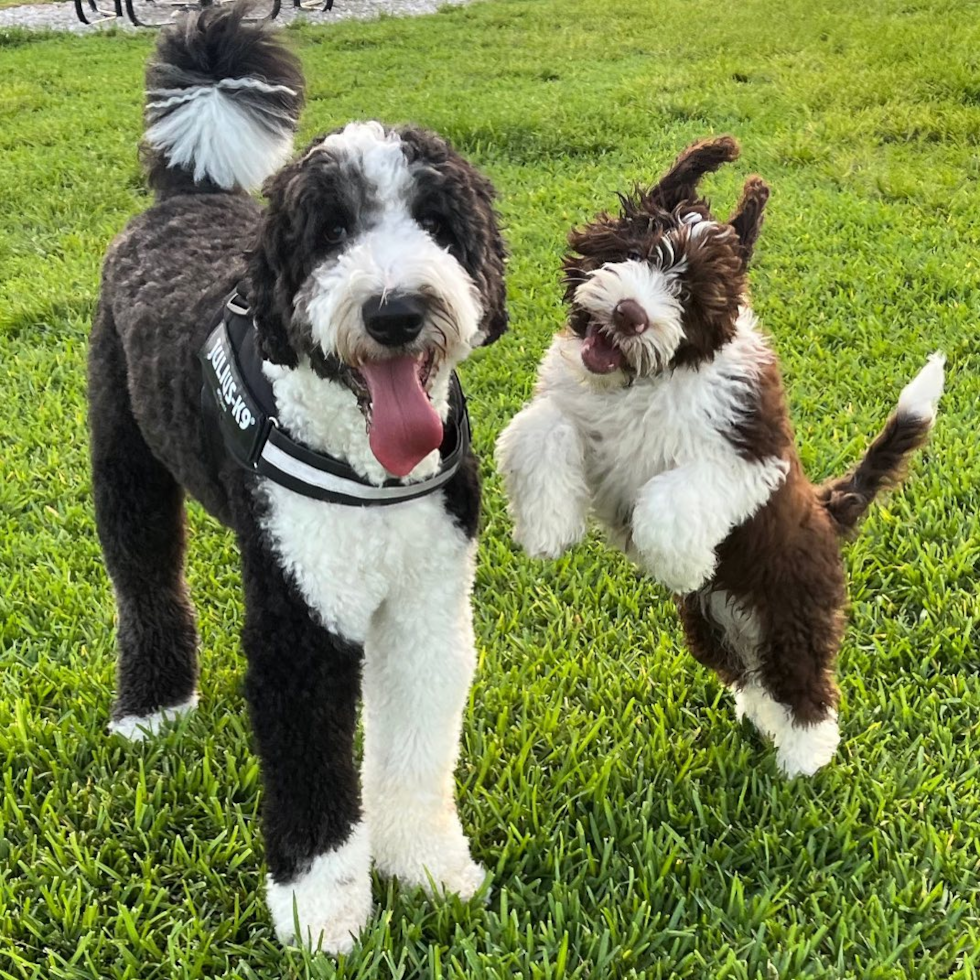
(660, 408)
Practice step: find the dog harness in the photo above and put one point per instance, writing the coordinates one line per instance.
(239, 405)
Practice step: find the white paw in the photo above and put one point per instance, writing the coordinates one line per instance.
(137, 727)
(331, 903)
(439, 865)
(800, 749)
(677, 570)
(547, 537)
(767, 715)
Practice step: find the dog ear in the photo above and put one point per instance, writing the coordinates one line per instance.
(680, 183)
(270, 261)
(465, 198)
(714, 283)
(493, 287)
(484, 252)
(747, 218)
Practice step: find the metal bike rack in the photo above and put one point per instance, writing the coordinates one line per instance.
(89, 11)
(159, 13)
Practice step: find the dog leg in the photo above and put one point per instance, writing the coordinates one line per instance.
(681, 516)
(541, 458)
(302, 686)
(419, 663)
(793, 698)
(708, 640)
(139, 512)
(801, 748)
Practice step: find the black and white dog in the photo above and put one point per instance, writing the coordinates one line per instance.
(376, 267)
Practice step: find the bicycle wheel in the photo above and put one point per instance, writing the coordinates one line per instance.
(156, 13)
(95, 14)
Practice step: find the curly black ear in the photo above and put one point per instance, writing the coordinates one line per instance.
(271, 272)
(747, 218)
(466, 198)
(494, 286)
(481, 244)
(680, 183)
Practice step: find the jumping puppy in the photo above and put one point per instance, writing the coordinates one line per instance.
(660, 408)
(316, 413)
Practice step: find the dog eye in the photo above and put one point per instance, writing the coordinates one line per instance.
(336, 234)
(634, 256)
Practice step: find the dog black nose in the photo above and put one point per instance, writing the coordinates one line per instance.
(394, 320)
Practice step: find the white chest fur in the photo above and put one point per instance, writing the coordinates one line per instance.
(632, 434)
(344, 559)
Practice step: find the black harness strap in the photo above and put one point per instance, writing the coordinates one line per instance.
(239, 403)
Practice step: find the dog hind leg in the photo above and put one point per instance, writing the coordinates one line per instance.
(139, 513)
(709, 642)
(794, 697)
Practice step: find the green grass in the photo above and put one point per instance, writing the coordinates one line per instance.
(632, 828)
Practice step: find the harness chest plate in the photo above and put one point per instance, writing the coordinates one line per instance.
(239, 403)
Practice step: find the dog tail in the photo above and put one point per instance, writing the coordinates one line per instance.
(223, 96)
(846, 499)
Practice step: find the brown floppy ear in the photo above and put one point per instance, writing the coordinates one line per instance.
(680, 183)
(747, 217)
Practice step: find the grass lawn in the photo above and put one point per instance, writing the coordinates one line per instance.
(632, 828)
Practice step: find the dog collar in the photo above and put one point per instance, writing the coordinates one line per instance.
(238, 400)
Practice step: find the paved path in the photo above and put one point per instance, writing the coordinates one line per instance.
(61, 16)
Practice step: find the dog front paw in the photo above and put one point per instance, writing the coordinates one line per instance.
(684, 577)
(679, 571)
(547, 536)
(677, 560)
(438, 863)
(326, 907)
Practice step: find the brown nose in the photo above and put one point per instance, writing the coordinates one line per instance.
(630, 317)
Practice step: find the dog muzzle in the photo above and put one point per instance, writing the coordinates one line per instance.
(239, 405)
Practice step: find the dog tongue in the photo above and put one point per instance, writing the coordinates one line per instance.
(599, 354)
(405, 427)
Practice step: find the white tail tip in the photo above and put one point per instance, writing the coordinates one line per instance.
(920, 397)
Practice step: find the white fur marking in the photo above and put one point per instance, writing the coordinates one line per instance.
(174, 96)
(920, 397)
(741, 626)
(137, 727)
(801, 749)
(419, 661)
(332, 901)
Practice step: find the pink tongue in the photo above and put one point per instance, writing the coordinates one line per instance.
(599, 354)
(404, 426)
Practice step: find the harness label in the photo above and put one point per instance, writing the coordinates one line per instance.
(239, 417)
(228, 387)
